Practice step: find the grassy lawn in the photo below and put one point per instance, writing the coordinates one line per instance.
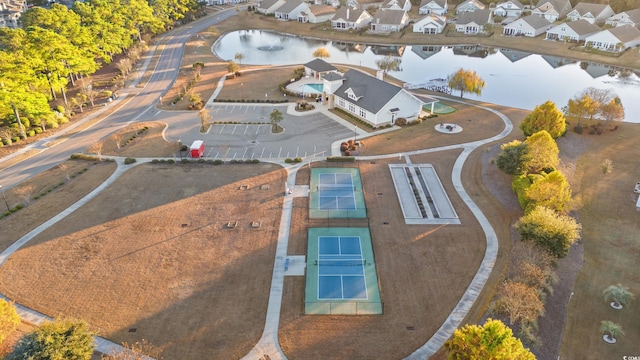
(606, 209)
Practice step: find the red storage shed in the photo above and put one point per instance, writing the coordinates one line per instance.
(197, 149)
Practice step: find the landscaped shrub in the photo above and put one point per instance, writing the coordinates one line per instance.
(288, 161)
(298, 159)
(401, 122)
(38, 130)
(129, 160)
(217, 162)
(31, 133)
(341, 158)
(170, 161)
(578, 129)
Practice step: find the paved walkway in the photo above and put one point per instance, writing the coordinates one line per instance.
(268, 343)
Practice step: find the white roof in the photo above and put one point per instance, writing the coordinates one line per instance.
(196, 144)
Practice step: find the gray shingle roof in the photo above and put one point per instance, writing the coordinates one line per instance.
(625, 33)
(536, 21)
(319, 65)
(332, 76)
(441, 3)
(265, 4)
(354, 14)
(583, 27)
(594, 9)
(289, 6)
(375, 93)
(479, 17)
(393, 17)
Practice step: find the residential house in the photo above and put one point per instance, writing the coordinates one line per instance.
(430, 24)
(469, 6)
(631, 17)
(317, 68)
(10, 12)
(593, 13)
(438, 7)
(225, 2)
(552, 10)
(509, 8)
(389, 21)
(372, 100)
(269, 6)
(404, 5)
(317, 14)
(574, 31)
(472, 23)
(615, 39)
(351, 18)
(291, 9)
(530, 26)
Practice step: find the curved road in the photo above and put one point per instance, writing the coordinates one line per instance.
(137, 103)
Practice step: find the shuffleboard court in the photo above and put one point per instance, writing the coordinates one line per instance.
(422, 197)
(336, 193)
(341, 273)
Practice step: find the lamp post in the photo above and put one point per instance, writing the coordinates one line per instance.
(5, 199)
(242, 90)
(355, 134)
(180, 148)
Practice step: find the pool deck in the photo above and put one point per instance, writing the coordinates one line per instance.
(293, 87)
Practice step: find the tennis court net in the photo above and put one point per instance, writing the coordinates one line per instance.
(358, 262)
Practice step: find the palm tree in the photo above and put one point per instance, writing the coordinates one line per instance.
(275, 117)
(618, 296)
(610, 331)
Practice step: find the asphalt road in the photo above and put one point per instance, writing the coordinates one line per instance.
(141, 105)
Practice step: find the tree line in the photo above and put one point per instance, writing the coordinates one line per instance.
(57, 47)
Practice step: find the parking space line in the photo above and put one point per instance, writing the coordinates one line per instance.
(280, 152)
(262, 153)
(297, 150)
(246, 127)
(222, 129)
(234, 129)
(245, 152)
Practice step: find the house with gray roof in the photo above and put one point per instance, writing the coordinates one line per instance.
(269, 6)
(615, 39)
(291, 9)
(350, 18)
(318, 67)
(372, 100)
(438, 7)
(10, 12)
(509, 8)
(631, 17)
(389, 21)
(317, 14)
(530, 26)
(573, 31)
(426, 51)
(472, 23)
(469, 6)
(552, 10)
(514, 55)
(593, 13)
(430, 24)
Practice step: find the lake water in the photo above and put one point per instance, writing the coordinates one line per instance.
(513, 78)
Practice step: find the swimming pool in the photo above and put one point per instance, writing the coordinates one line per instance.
(310, 88)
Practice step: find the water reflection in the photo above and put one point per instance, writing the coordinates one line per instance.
(513, 78)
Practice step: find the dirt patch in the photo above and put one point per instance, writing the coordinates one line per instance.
(139, 140)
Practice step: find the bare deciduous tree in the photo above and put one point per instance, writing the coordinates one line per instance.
(24, 192)
(97, 148)
(65, 168)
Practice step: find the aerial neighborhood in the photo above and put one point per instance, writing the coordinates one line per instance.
(594, 25)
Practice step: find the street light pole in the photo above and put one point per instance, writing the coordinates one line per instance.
(355, 134)
(5, 199)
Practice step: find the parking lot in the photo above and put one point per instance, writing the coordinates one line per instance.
(243, 131)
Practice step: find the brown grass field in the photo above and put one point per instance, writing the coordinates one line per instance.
(153, 251)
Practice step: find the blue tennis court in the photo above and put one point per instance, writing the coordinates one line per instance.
(336, 192)
(340, 268)
(341, 273)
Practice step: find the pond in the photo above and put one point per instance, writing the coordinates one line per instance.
(513, 78)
